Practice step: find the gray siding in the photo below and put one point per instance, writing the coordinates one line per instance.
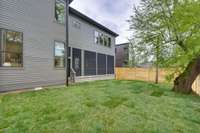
(83, 38)
(35, 18)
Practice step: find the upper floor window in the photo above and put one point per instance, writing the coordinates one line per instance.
(11, 48)
(102, 39)
(105, 40)
(126, 51)
(96, 37)
(76, 24)
(59, 60)
(109, 42)
(60, 11)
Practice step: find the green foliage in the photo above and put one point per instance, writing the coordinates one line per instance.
(169, 30)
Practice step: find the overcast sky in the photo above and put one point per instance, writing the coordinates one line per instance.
(110, 13)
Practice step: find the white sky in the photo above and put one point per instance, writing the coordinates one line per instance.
(110, 13)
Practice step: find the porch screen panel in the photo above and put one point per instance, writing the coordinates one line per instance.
(90, 63)
(69, 51)
(101, 64)
(77, 61)
(110, 64)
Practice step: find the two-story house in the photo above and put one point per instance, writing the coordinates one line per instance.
(32, 45)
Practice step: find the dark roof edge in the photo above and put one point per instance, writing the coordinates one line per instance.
(91, 21)
(122, 44)
(70, 1)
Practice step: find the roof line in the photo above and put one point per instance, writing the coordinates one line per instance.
(70, 1)
(122, 44)
(91, 21)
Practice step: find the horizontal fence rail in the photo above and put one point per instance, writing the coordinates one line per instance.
(148, 74)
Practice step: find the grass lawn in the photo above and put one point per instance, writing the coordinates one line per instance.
(102, 106)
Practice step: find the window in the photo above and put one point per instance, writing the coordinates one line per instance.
(77, 62)
(60, 11)
(110, 64)
(59, 60)
(90, 63)
(109, 42)
(96, 37)
(126, 49)
(105, 41)
(101, 64)
(102, 39)
(77, 24)
(11, 48)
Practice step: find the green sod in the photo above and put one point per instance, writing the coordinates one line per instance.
(101, 107)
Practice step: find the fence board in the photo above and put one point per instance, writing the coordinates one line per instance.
(148, 74)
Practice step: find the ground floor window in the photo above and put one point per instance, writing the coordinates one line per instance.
(11, 48)
(59, 59)
(77, 61)
(101, 64)
(69, 52)
(90, 63)
(110, 64)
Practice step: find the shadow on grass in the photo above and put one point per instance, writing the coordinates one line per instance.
(197, 110)
(152, 89)
(114, 102)
(157, 93)
(157, 90)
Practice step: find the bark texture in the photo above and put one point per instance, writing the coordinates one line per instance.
(157, 74)
(183, 83)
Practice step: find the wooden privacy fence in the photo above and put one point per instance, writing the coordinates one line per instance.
(144, 74)
(148, 74)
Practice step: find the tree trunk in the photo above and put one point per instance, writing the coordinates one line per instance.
(157, 73)
(183, 83)
(157, 61)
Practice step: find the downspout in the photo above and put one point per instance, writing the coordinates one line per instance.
(67, 40)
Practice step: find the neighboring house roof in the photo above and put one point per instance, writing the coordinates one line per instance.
(121, 44)
(145, 65)
(91, 21)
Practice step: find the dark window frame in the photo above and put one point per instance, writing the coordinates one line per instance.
(76, 24)
(88, 70)
(101, 70)
(102, 39)
(75, 51)
(109, 42)
(110, 61)
(2, 41)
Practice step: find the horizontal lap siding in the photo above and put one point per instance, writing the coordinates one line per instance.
(35, 18)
